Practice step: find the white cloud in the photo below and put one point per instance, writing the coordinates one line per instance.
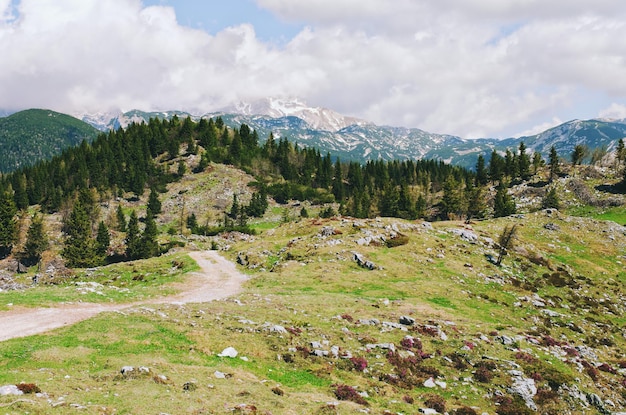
(473, 68)
(614, 111)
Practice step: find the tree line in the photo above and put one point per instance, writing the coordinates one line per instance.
(140, 157)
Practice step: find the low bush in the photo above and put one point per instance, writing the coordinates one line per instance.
(348, 393)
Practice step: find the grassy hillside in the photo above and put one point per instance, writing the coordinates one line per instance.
(434, 324)
(32, 135)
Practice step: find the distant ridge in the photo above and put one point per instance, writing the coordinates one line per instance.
(352, 138)
(37, 134)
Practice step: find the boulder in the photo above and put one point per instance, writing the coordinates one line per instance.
(10, 390)
(229, 352)
(407, 321)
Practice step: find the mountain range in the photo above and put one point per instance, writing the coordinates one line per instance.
(356, 139)
(348, 138)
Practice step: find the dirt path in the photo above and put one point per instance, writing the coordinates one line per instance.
(218, 278)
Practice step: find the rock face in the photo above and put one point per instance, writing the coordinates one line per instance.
(364, 263)
(524, 387)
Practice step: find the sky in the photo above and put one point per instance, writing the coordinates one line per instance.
(471, 68)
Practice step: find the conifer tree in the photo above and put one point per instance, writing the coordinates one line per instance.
(537, 161)
(503, 204)
(8, 223)
(551, 199)
(133, 238)
(453, 199)
(523, 162)
(79, 250)
(121, 219)
(476, 204)
(149, 246)
(36, 241)
(578, 154)
(481, 171)
(420, 206)
(103, 240)
(154, 204)
(553, 163)
(496, 167)
(338, 188)
(620, 152)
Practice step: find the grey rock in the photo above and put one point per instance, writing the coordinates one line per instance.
(466, 235)
(523, 387)
(10, 390)
(505, 340)
(407, 321)
(552, 227)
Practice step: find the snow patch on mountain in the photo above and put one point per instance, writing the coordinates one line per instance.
(316, 117)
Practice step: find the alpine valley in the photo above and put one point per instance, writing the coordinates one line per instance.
(348, 138)
(351, 138)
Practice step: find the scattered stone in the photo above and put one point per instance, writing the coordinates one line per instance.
(428, 411)
(441, 384)
(364, 263)
(190, 386)
(505, 340)
(229, 352)
(430, 383)
(10, 390)
(523, 387)
(552, 227)
(407, 321)
(466, 235)
(127, 370)
(242, 259)
(384, 346)
(369, 322)
(219, 375)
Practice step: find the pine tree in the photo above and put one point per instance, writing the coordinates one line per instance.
(121, 219)
(578, 154)
(154, 204)
(503, 204)
(481, 171)
(537, 162)
(476, 204)
(133, 238)
(36, 241)
(496, 167)
(523, 162)
(420, 206)
(103, 240)
(79, 250)
(149, 246)
(338, 188)
(506, 241)
(620, 153)
(551, 199)
(8, 224)
(553, 163)
(453, 201)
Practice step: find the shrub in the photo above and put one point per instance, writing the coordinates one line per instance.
(408, 399)
(360, 363)
(27, 388)
(348, 393)
(512, 406)
(347, 317)
(399, 240)
(435, 402)
(525, 357)
(464, 410)
(607, 368)
(484, 371)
